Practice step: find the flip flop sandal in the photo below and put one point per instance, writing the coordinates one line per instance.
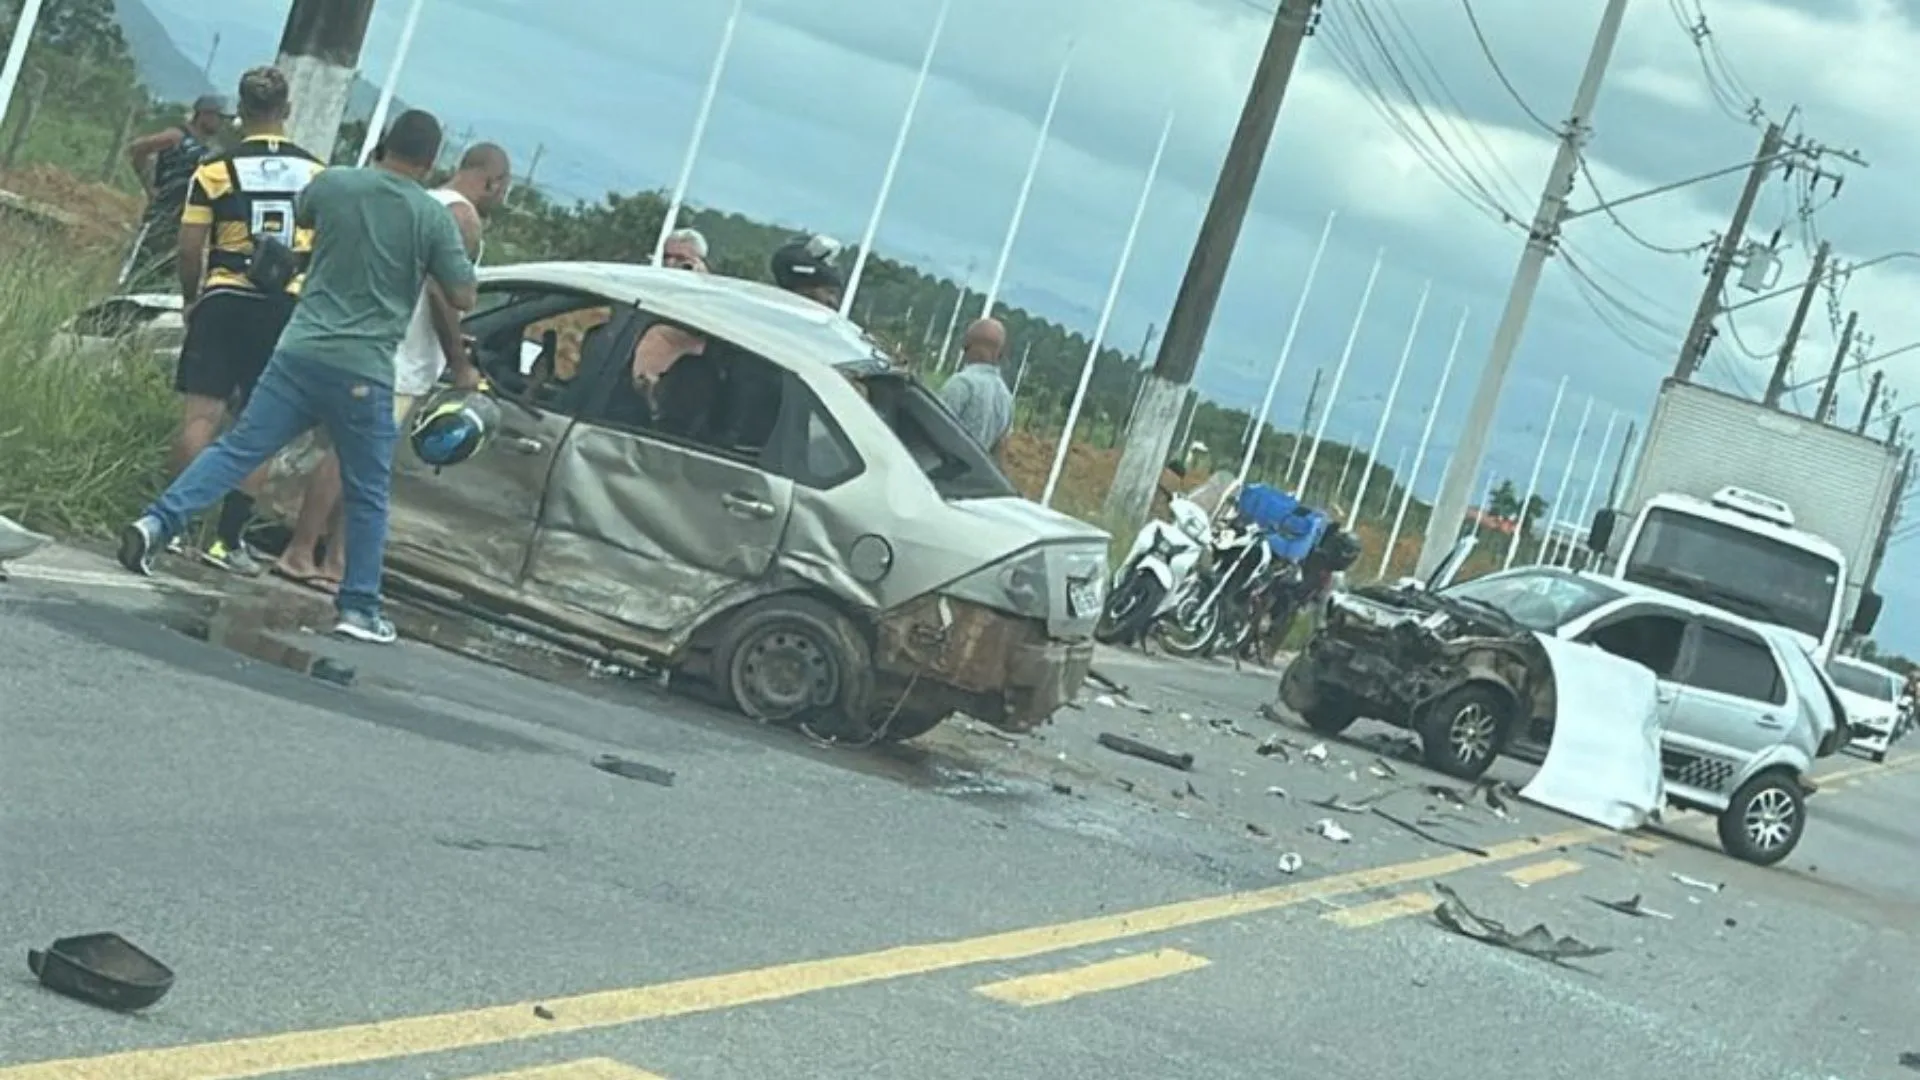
(319, 583)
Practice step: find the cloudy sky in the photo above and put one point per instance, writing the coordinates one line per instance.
(815, 90)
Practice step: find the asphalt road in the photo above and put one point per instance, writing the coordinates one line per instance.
(422, 874)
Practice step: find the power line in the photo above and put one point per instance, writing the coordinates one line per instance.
(1607, 209)
(1725, 88)
(1486, 50)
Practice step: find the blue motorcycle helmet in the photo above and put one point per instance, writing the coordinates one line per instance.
(452, 429)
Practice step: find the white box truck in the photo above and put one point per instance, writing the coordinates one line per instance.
(1769, 515)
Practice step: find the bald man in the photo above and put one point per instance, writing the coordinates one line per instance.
(977, 394)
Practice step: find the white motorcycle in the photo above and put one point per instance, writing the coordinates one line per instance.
(1156, 573)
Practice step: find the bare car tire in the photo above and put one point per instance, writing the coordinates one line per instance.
(1764, 821)
(1329, 716)
(792, 659)
(1461, 733)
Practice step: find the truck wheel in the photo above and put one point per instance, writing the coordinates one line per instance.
(1763, 823)
(791, 659)
(1462, 733)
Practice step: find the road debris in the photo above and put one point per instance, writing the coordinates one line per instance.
(1392, 745)
(1094, 675)
(543, 1012)
(1910, 1060)
(634, 770)
(1291, 862)
(1381, 769)
(1446, 794)
(1632, 907)
(1317, 753)
(1696, 883)
(1259, 830)
(1537, 942)
(1061, 787)
(1228, 726)
(101, 969)
(1625, 855)
(1330, 829)
(1195, 792)
(1353, 806)
(1495, 794)
(1279, 792)
(1275, 746)
(1120, 744)
(1430, 837)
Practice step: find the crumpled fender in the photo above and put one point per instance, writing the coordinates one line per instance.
(1603, 764)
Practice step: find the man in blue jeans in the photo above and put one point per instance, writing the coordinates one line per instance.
(379, 239)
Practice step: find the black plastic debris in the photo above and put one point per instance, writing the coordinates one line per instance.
(1631, 906)
(331, 671)
(1111, 686)
(1428, 835)
(1061, 787)
(634, 770)
(543, 1012)
(1910, 1060)
(1120, 744)
(1353, 806)
(1275, 746)
(102, 969)
(1537, 941)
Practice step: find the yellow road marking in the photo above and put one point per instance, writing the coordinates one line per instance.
(1393, 907)
(1645, 845)
(1116, 974)
(589, 1069)
(1542, 871)
(1866, 771)
(384, 1040)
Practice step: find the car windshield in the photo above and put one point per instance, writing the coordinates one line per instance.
(1732, 568)
(1542, 600)
(1864, 681)
(957, 466)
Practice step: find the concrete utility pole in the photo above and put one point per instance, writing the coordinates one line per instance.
(1306, 422)
(1777, 385)
(1873, 398)
(1700, 331)
(1450, 505)
(1828, 390)
(1160, 404)
(1146, 346)
(319, 54)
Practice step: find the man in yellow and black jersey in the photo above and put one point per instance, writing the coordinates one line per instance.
(242, 258)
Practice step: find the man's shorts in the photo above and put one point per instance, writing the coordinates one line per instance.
(231, 335)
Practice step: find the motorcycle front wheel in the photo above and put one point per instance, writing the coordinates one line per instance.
(1190, 628)
(1129, 610)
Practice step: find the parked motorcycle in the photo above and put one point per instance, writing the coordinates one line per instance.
(1155, 574)
(1214, 614)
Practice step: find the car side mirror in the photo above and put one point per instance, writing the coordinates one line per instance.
(1868, 613)
(1601, 533)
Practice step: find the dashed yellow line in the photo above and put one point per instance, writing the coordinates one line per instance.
(1542, 871)
(588, 1069)
(386, 1040)
(1117, 974)
(1379, 911)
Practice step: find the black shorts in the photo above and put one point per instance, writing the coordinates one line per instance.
(230, 336)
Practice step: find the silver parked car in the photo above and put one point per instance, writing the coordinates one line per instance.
(834, 548)
(1745, 710)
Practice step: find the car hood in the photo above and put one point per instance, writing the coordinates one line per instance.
(1863, 709)
(1385, 606)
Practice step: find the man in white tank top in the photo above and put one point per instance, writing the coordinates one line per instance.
(433, 346)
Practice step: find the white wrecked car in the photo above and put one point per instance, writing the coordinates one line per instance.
(1730, 714)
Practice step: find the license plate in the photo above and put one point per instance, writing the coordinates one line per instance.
(1083, 596)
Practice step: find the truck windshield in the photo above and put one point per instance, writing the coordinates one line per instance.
(1863, 681)
(1744, 572)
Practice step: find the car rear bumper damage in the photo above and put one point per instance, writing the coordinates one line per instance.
(950, 655)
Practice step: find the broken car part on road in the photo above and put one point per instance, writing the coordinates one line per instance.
(1537, 941)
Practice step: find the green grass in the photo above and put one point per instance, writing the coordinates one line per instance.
(83, 441)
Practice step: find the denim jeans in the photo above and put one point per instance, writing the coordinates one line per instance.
(294, 396)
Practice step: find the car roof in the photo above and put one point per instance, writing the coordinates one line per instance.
(777, 324)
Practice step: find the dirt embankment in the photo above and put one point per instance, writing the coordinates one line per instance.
(101, 215)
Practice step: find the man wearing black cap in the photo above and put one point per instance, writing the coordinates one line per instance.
(805, 266)
(165, 162)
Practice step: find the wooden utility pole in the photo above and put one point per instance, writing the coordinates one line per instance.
(1700, 331)
(1777, 385)
(319, 54)
(1873, 398)
(1165, 391)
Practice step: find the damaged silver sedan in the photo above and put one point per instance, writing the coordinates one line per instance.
(1742, 711)
(836, 551)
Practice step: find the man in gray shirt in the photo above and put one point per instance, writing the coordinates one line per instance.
(978, 393)
(379, 240)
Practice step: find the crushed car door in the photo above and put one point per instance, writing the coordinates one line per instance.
(1731, 705)
(648, 523)
(473, 523)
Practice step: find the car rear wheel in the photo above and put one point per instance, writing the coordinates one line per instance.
(1763, 823)
(1461, 734)
(791, 659)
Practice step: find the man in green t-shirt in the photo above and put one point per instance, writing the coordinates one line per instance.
(379, 239)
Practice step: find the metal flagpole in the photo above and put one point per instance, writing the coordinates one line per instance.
(1025, 354)
(1026, 189)
(17, 53)
(1566, 477)
(1399, 462)
(893, 161)
(1339, 373)
(953, 321)
(1426, 436)
(679, 197)
(1533, 478)
(1346, 469)
(1286, 349)
(1386, 410)
(1593, 485)
(384, 103)
(1106, 316)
